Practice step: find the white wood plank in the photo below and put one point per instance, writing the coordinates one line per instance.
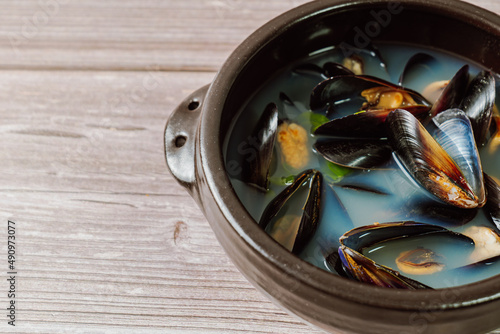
(108, 241)
(191, 35)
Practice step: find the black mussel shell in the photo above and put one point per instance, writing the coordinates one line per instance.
(362, 188)
(348, 87)
(419, 65)
(288, 108)
(455, 135)
(427, 162)
(310, 69)
(366, 236)
(365, 124)
(366, 270)
(285, 99)
(476, 271)
(479, 266)
(355, 153)
(478, 104)
(364, 52)
(256, 171)
(335, 69)
(443, 214)
(452, 95)
(310, 207)
(493, 199)
(362, 269)
(334, 264)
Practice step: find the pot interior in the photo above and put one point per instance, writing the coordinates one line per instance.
(445, 26)
(380, 22)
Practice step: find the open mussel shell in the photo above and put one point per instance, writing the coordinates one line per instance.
(418, 66)
(359, 266)
(334, 264)
(302, 200)
(332, 69)
(427, 162)
(455, 135)
(476, 271)
(478, 104)
(310, 69)
(442, 214)
(366, 236)
(288, 109)
(355, 153)
(369, 53)
(362, 269)
(493, 199)
(349, 87)
(255, 170)
(452, 95)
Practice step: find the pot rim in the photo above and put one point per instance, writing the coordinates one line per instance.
(212, 163)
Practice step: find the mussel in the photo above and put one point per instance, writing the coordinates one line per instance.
(430, 164)
(378, 93)
(455, 135)
(419, 65)
(368, 54)
(255, 170)
(358, 140)
(433, 90)
(292, 217)
(420, 261)
(417, 261)
(362, 153)
(453, 93)
(476, 271)
(355, 64)
(487, 242)
(363, 269)
(310, 69)
(478, 104)
(335, 69)
(437, 213)
(493, 199)
(288, 109)
(364, 124)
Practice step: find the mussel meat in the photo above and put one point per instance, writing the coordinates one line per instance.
(292, 139)
(354, 63)
(487, 242)
(433, 90)
(420, 261)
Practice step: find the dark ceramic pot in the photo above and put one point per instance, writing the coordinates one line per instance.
(197, 128)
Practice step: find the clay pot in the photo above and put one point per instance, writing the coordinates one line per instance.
(197, 128)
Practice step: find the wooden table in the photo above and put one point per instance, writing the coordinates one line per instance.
(106, 241)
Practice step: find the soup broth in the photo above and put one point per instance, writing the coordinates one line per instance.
(353, 197)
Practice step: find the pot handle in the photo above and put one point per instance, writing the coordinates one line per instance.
(180, 135)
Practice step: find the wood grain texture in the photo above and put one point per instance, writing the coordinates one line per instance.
(107, 240)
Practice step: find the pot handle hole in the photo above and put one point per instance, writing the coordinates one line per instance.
(180, 133)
